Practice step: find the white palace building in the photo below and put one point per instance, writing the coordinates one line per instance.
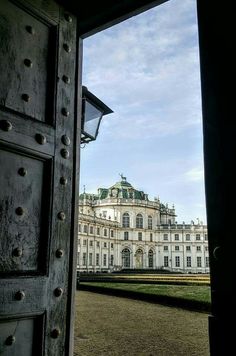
(120, 228)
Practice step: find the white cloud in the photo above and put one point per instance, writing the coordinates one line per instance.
(195, 174)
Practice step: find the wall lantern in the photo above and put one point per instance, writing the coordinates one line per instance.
(93, 109)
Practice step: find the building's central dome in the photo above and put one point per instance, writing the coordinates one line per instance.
(122, 184)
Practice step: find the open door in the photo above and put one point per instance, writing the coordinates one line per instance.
(38, 163)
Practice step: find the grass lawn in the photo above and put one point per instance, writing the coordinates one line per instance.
(196, 293)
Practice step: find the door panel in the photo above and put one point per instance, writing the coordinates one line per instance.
(25, 70)
(38, 160)
(25, 215)
(18, 337)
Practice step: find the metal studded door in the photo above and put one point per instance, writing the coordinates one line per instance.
(38, 148)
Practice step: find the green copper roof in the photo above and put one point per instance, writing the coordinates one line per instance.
(121, 189)
(122, 184)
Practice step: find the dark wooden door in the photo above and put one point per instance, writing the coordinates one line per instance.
(38, 163)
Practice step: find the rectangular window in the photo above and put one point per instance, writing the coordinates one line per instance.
(188, 248)
(126, 235)
(198, 248)
(84, 259)
(151, 237)
(165, 248)
(105, 232)
(150, 223)
(84, 242)
(166, 261)
(91, 229)
(198, 237)
(112, 260)
(176, 237)
(104, 260)
(207, 261)
(85, 229)
(139, 236)
(112, 233)
(189, 262)
(79, 227)
(187, 237)
(177, 261)
(90, 243)
(206, 248)
(105, 244)
(112, 245)
(90, 259)
(176, 248)
(97, 259)
(165, 237)
(205, 237)
(98, 243)
(199, 261)
(98, 230)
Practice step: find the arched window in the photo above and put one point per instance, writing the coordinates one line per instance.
(125, 220)
(150, 259)
(139, 221)
(150, 222)
(126, 258)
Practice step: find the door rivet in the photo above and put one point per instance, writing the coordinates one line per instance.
(41, 139)
(55, 333)
(10, 340)
(216, 252)
(66, 79)
(20, 295)
(68, 18)
(63, 181)
(65, 140)
(5, 125)
(58, 292)
(66, 47)
(17, 252)
(25, 97)
(22, 171)
(61, 216)
(65, 112)
(65, 153)
(19, 211)
(30, 30)
(28, 63)
(59, 253)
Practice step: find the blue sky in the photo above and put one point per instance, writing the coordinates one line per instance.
(146, 70)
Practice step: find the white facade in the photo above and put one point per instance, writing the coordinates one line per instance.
(121, 229)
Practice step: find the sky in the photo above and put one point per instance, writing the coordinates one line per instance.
(146, 69)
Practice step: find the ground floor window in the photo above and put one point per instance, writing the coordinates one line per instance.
(150, 259)
(166, 261)
(97, 259)
(104, 260)
(90, 259)
(199, 261)
(189, 261)
(112, 260)
(84, 259)
(126, 258)
(177, 261)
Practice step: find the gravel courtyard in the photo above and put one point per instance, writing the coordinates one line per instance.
(113, 326)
